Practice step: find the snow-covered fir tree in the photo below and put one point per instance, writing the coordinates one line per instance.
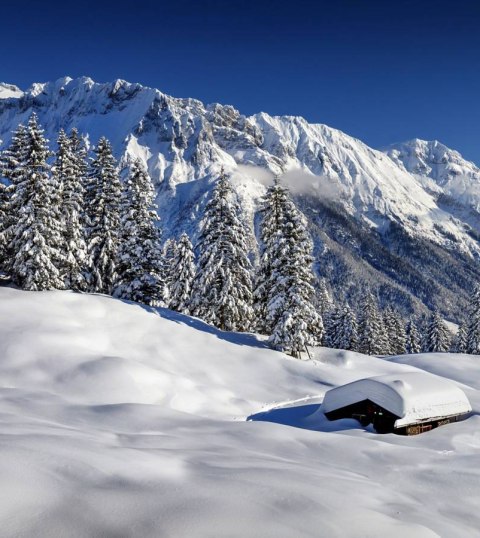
(300, 324)
(395, 331)
(35, 240)
(4, 203)
(437, 337)
(473, 327)
(342, 330)
(169, 256)
(69, 171)
(222, 289)
(459, 343)
(388, 317)
(183, 275)
(284, 294)
(398, 342)
(413, 344)
(102, 204)
(271, 249)
(139, 263)
(12, 161)
(372, 338)
(324, 301)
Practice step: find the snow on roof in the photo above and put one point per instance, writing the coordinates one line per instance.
(411, 396)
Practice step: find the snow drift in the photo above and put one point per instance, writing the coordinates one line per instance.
(116, 420)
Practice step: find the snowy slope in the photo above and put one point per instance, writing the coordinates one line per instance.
(119, 421)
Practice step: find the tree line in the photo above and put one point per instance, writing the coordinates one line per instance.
(68, 221)
(374, 332)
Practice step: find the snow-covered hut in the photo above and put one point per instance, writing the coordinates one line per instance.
(407, 403)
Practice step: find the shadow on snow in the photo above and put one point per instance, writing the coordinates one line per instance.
(307, 417)
(242, 339)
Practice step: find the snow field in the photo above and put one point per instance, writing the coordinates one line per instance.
(116, 420)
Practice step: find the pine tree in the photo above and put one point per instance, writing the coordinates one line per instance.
(437, 338)
(284, 293)
(395, 331)
(183, 274)
(459, 344)
(342, 330)
(398, 342)
(12, 162)
(272, 250)
(372, 338)
(390, 329)
(169, 256)
(222, 289)
(324, 300)
(13, 159)
(140, 264)
(69, 172)
(4, 206)
(34, 233)
(102, 198)
(473, 328)
(412, 338)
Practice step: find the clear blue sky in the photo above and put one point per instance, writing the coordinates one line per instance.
(381, 70)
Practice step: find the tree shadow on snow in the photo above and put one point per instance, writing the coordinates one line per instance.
(306, 417)
(242, 339)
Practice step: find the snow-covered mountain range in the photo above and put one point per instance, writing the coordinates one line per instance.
(404, 221)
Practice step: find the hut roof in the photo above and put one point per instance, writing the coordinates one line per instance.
(412, 396)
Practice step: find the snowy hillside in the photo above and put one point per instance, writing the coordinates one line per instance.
(120, 421)
(369, 213)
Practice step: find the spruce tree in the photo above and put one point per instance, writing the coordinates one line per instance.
(272, 251)
(398, 342)
(459, 344)
(35, 230)
(69, 171)
(324, 300)
(139, 263)
(473, 327)
(342, 330)
(412, 338)
(390, 329)
(437, 338)
(284, 294)
(12, 162)
(183, 274)
(4, 211)
(169, 257)
(13, 159)
(222, 289)
(102, 198)
(372, 338)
